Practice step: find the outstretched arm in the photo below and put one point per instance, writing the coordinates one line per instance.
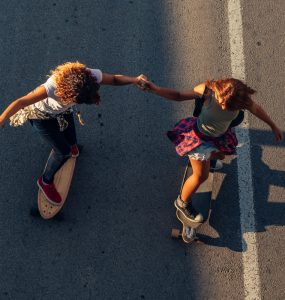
(260, 113)
(35, 96)
(172, 94)
(116, 79)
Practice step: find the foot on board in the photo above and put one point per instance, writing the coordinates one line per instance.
(188, 210)
(50, 192)
(74, 151)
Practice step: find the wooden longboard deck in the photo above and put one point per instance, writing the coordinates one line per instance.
(62, 181)
(186, 222)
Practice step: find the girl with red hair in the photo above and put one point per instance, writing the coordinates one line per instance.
(209, 135)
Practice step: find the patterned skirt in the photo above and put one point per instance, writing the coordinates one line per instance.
(186, 137)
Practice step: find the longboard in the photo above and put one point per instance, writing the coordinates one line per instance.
(62, 181)
(201, 201)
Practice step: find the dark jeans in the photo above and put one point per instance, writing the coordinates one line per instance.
(60, 142)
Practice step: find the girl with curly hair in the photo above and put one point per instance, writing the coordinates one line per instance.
(50, 108)
(209, 136)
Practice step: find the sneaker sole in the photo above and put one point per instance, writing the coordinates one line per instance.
(48, 199)
(191, 220)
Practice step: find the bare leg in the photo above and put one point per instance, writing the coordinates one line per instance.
(200, 173)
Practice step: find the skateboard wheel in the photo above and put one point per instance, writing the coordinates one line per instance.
(175, 233)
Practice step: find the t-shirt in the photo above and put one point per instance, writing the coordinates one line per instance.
(213, 120)
(52, 104)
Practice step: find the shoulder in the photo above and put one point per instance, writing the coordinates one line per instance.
(97, 73)
(50, 81)
(50, 86)
(200, 89)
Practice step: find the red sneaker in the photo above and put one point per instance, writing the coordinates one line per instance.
(74, 151)
(50, 192)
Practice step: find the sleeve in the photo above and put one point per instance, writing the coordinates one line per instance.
(97, 74)
(50, 87)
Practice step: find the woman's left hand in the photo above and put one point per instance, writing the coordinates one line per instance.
(278, 134)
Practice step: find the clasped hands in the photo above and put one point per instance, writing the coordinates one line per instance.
(144, 84)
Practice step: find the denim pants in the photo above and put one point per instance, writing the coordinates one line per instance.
(60, 141)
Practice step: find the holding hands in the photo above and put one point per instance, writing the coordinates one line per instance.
(145, 85)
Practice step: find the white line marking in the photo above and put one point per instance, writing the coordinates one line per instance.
(246, 203)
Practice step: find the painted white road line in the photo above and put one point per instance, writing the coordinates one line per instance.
(246, 203)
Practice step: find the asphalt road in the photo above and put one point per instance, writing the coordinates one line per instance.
(113, 240)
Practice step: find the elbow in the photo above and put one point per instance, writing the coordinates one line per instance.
(253, 108)
(177, 97)
(115, 80)
(19, 103)
(255, 112)
(172, 95)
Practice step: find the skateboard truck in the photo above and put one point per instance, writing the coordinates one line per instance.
(188, 234)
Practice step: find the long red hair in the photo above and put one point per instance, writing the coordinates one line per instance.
(75, 84)
(234, 93)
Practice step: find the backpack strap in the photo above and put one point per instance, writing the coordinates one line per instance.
(199, 102)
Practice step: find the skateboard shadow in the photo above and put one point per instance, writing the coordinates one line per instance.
(225, 218)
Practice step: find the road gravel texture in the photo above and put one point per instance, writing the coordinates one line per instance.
(112, 240)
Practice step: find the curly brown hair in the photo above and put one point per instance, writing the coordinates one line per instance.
(75, 84)
(234, 93)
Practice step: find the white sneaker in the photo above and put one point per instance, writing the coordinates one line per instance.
(188, 210)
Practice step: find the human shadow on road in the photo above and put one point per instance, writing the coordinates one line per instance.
(225, 216)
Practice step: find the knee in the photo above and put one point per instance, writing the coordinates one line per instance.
(201, 177)
(61, 155)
